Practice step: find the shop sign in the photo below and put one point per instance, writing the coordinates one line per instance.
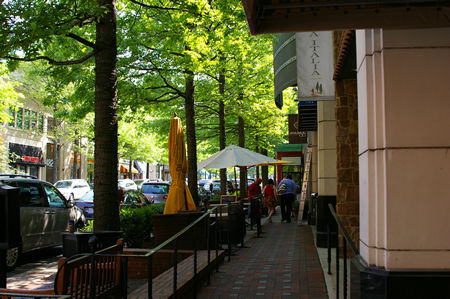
(295, 136)
(25, 154)
(315, 66)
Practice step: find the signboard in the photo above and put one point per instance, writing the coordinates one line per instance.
(315, 66)
(26, 154)
(295, 136)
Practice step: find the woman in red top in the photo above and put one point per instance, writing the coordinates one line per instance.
(270, 198)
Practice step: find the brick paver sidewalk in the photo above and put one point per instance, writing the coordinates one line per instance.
(283, 263)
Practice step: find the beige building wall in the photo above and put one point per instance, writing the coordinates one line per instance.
(326, 148)
(404, 142)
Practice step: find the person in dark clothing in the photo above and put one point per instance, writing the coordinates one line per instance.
(287, 197)
(253, 190)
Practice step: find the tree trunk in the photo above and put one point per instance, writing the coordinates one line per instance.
(264, 169)
(56, 149)
(75, 160)
(243, 186)
(222, 134)
(257, 150)
(190, 136)
(106, 211)
(130, 169)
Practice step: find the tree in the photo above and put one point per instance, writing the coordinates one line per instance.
(66, 33)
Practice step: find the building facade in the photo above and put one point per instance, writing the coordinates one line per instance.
(391, 112)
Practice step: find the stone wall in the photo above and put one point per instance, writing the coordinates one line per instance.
(347, 200)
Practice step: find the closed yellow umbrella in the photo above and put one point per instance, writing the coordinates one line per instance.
(179, 198)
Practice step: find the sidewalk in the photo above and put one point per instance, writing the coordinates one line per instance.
(283, 263)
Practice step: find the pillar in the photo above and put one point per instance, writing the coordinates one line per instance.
(404, 162)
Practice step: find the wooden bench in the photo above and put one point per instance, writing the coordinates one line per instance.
(74, 276)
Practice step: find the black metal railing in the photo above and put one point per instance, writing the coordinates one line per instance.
(149, 256)
(346, 241)
(174, 240)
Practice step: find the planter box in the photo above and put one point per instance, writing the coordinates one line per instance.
(166, 226)
(78, 242)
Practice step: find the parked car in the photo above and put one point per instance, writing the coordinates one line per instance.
(230, 188)
(73, 189)
(44, 214)
(133, 198)
(156, 191)
(139, 182)
(127, 184)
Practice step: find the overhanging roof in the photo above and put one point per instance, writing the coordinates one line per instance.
(275, 16)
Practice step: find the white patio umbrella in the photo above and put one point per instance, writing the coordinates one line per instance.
(234, 156)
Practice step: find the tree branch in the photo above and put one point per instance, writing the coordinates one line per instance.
(81, 40)
(52, 61)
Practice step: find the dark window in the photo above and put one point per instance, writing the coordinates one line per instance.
(54, 198)
(33, 120)
(41, 123)
(29, 193)
(12, 117)
(19, 118)
(26, 119)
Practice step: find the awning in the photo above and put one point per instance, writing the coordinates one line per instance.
(274, 16)
(124, 168)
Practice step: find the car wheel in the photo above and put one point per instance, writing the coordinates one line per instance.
(71, 197)
(12, 258)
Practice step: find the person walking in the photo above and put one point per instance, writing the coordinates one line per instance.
(287, 189)
(254, 190)
(270, 198)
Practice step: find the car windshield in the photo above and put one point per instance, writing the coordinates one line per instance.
(155, 188)
(63, 184)
(89, 196)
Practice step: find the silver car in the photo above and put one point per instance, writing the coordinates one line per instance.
(156, 192)
(44, 214)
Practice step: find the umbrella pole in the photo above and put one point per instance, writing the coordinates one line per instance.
(237, 192)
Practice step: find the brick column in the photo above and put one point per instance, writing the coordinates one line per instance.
(347, 198)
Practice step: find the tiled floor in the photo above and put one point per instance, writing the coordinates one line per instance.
(283, 263)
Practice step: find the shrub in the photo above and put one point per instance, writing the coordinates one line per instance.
(136, 224)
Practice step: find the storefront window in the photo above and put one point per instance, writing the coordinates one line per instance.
(12, 117)
(34, 120)
(26, 119)
(19, 118)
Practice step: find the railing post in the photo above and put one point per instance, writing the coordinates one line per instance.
(175, 268)
(329, 247)
(337, 268)
(124, 262)
(150, 276)
(216, 241)
(92, 242)
(208, 231)
(195, 261)
(345, 269)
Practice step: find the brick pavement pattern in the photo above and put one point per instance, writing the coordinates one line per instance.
(283, 263)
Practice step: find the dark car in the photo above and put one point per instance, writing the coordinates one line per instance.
(133, 198)
(156, 192)
(44, 214)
